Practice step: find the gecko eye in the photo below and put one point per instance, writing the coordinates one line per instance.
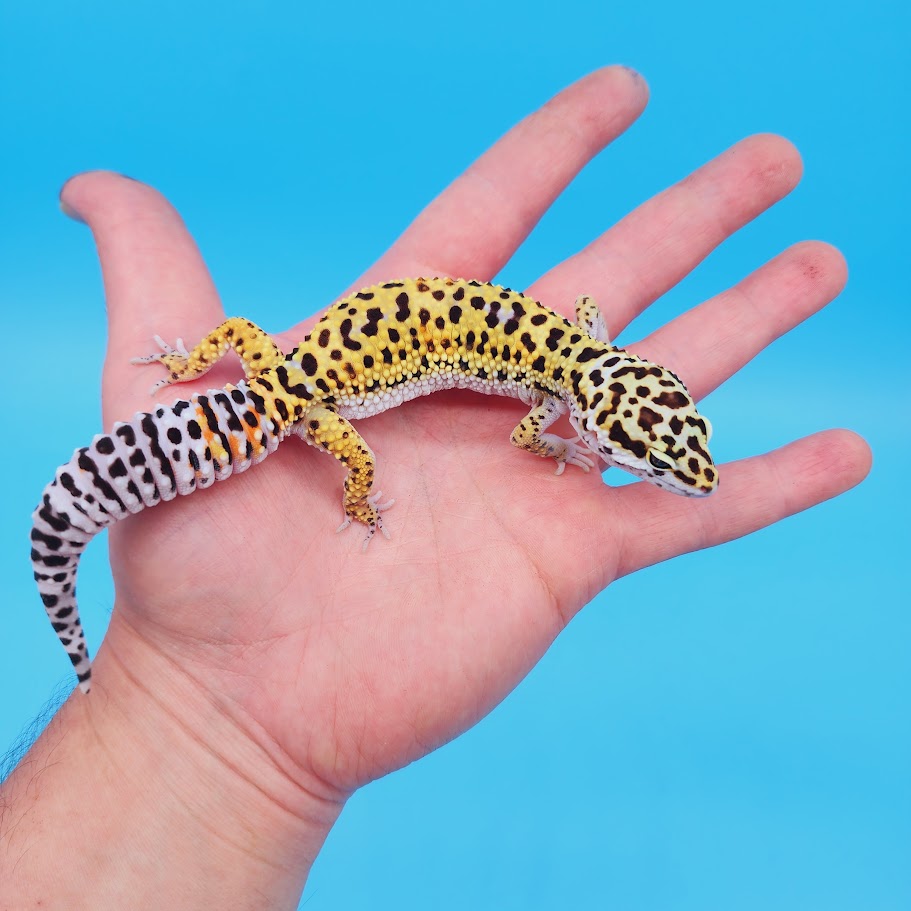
(659, 461)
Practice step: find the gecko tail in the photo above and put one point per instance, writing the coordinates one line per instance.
(153, 457)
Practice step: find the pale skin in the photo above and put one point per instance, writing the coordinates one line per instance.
(258, 667)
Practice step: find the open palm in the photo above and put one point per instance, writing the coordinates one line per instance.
(344, 665)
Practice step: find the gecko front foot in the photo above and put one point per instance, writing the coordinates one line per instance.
(174, 359)
(574, 455)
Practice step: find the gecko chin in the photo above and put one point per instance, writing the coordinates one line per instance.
(674, 481)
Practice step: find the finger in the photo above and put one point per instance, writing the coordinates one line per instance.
(663, 240)
(753, 493)
(475, 225)
(713, 341)
(155, 281)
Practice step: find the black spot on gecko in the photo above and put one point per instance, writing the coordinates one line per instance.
(127, 434)
(345, 329)
(308, 362)
(372, 326)
(51, 542)
(671, 399)
(230, 415)
(66, 479)
(619, 435)
(214, 428)
(553, 338)
(694, 444)
(647, 418)
(100, 483)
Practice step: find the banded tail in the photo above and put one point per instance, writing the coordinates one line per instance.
(153, 457)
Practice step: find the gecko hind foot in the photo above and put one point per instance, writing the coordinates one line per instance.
(377, 525)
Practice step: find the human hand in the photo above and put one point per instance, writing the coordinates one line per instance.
(335, 667)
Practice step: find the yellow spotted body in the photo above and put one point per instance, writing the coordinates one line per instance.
(372, 351)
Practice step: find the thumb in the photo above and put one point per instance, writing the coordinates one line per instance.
(155, 280)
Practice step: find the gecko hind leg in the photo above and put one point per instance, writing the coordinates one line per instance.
(327, 430)
(590, 318)
(252, 345)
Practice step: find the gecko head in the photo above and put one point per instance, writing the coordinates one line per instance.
(639, 416)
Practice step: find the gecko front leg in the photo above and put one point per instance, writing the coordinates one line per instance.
(530, 435)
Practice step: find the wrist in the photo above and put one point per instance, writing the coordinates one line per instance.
(154, 795)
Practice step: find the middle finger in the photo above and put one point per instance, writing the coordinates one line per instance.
(656, 245)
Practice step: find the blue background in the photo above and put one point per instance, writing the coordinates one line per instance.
(749, 747)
